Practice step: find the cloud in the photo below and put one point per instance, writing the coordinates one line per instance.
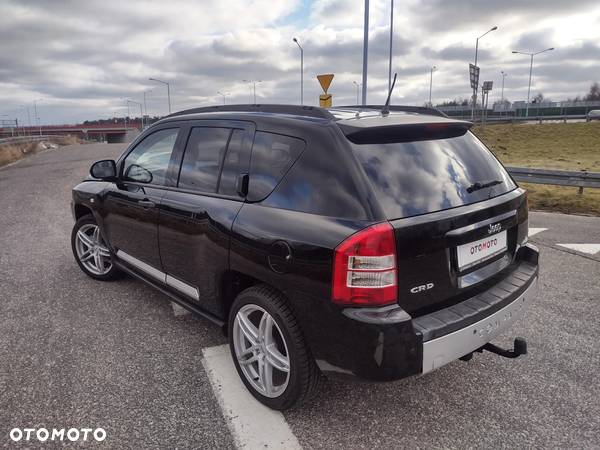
(85, 58)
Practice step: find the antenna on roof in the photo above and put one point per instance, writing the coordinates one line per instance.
(386, 108)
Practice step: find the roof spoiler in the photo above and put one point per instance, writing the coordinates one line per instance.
(387, 134)
(400, 108)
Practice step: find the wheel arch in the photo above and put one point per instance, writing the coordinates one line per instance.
(80, 210)
(233, 283)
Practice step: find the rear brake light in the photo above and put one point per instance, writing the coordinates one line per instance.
(364, 268)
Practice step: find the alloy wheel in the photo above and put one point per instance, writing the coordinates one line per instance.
(261, 350)
(91, 250)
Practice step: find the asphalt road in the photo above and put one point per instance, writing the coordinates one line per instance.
(75, 352)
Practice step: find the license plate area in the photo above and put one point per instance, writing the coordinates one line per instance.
(476, 252)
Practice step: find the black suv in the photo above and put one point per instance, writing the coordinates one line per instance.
(367, 242)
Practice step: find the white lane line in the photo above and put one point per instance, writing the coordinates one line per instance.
(253, 425)
(590, 249)
(179, 310)
(534, 231)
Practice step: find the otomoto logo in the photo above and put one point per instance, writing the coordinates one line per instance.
(482, 246)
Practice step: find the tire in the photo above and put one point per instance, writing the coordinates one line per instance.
(286, 341)
(91, 253)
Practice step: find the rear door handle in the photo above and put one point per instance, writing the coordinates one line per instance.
(146, 204)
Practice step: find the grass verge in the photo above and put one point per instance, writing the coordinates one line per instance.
(565, 146)
(10, 153)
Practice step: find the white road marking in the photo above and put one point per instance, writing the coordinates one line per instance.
(591, 249)
(534, 231)
(179, 310)
(253, 425)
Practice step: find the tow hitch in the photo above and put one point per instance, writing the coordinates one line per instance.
(520, 348)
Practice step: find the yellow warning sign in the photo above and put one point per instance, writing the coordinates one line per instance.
(325, 100)
(325, 81)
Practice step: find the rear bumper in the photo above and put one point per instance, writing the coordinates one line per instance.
(440, 351)
(384, 344)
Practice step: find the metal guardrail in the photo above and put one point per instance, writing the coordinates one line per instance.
(539, 119)
(509, 118)
(556, 177)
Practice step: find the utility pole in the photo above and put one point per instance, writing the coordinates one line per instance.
(365, 53)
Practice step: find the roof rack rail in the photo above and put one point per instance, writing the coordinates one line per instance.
(412, 109)
(297, 110)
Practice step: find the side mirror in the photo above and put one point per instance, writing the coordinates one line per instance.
(104, 170)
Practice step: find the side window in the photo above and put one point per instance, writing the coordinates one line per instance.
(272, 156)
(236, 162)
(202, 159)
(149, 160)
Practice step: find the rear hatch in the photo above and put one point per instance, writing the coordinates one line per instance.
(457, 214)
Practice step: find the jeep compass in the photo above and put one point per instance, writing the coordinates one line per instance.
(362, 241)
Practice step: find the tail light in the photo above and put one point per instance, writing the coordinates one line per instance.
(364, 268)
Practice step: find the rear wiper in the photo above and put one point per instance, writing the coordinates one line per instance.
(478, 185)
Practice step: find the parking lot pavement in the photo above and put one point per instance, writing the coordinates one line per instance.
(77, 352)
(576, 234)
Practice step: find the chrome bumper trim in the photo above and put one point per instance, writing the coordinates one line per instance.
(439, 352)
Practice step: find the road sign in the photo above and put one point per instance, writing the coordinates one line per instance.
(487, 86)
(474, 75)
(325, 81)
(325, 100)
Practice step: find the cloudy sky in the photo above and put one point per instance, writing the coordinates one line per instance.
(81, 59)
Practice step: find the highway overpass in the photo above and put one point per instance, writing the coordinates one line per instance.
(111, 133)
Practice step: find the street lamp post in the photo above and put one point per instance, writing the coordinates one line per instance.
(145, 105)
(502, 94)
(531, 55)
(357, 92)
(141, 112)
(36, 117)
(476, 51)
(301, 71)
(28, 117)
(223, 94)
(253, 82)
(168, 90)
(433, 69)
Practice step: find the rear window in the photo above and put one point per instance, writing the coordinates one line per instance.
(412, 178)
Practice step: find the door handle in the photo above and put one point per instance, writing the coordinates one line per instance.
(146, 204)
(241, 184)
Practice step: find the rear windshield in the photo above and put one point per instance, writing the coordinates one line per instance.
(412, 178)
